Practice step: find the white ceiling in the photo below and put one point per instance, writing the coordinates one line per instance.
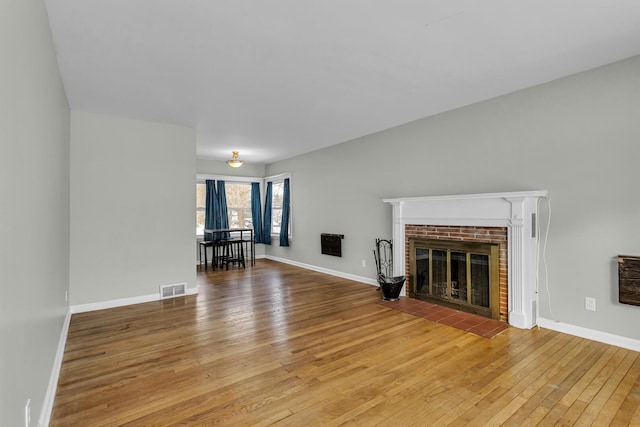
(274, 79)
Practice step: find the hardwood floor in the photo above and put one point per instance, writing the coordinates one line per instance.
(279, 345)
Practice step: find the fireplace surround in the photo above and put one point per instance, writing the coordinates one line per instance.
(517, 211)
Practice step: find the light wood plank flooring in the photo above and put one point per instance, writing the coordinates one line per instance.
(279, 345)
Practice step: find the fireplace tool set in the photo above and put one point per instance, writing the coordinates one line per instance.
(390, 285)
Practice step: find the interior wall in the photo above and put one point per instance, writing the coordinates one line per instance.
(132, 207)
(34, 208)
(576, 137)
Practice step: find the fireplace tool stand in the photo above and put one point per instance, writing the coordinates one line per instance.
(390, 285)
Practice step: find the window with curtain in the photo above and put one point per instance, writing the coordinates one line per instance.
(277, 200)
(238, 192)
(244, 197)
(256, 213)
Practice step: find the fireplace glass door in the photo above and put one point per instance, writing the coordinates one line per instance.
(463, 275)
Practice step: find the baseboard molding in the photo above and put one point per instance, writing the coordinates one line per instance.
(578, 331)
(83, 308)
(50, 395)
(341, 274)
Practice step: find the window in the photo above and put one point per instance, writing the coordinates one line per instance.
(238, 191)
(276, 206)
(238, 201)
(277, 196)
(239, 204)
(201, 201)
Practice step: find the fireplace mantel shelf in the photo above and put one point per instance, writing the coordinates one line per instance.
(515, 210)
(505, 195)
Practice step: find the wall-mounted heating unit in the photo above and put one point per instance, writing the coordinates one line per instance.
(331, 244)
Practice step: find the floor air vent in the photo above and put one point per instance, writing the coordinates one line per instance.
(175, 290)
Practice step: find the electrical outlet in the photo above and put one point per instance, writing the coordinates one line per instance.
(66, 295)
(590, 304)
(364, 263)
(27, 413)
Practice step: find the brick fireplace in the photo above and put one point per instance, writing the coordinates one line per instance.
(475, 234)
(475, 217)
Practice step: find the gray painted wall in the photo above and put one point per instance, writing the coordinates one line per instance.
(34, 208)
(132, 207)
(578, 137)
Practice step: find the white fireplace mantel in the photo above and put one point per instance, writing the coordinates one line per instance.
(515, 210)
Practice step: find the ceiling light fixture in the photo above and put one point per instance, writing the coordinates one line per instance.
(235, 162)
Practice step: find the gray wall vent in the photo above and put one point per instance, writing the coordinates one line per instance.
(175, 290)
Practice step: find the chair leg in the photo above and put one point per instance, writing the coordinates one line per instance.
(241, 246)
(220, 260)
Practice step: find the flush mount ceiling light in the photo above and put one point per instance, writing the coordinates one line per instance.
(235, 162)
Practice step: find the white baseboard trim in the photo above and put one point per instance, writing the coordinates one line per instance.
(50, 395)
(347, 276)
(591, 334)
(83, 308)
